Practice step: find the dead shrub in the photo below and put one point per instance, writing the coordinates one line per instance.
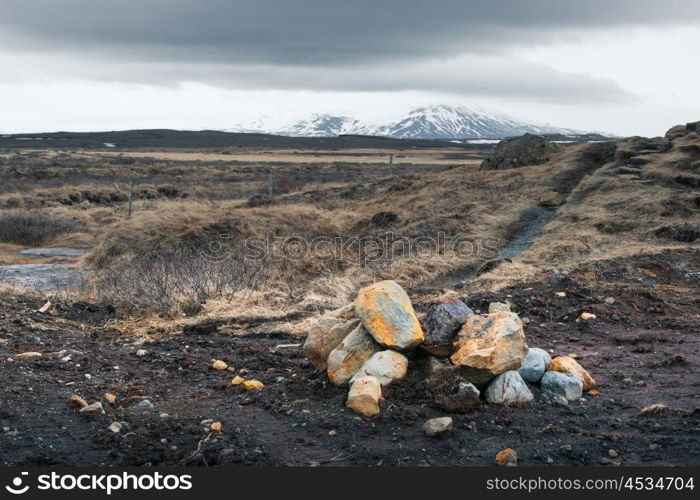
(35, 228)
(181, 278)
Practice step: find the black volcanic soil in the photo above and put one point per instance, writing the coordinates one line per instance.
(650, 335)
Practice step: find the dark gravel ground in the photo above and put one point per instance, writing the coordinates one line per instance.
(650, 335)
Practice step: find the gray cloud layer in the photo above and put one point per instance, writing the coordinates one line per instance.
(326, 44)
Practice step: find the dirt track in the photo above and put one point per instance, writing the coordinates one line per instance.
(649, 335)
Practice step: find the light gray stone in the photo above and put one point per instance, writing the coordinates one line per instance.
(534, 365)
(385, 366)
(436, 427)
(499, 307)
(565, 385)
(508, 388)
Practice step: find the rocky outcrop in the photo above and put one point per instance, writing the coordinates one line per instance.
(514, 152)
(441, 324)
(488, 345)
(682, 130)
(386, 312)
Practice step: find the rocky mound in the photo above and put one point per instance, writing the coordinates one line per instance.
(375, 340)
(514, 152)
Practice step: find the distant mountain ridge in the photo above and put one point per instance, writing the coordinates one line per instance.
(430, 122)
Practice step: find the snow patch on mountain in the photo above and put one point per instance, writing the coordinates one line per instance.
(430, 122)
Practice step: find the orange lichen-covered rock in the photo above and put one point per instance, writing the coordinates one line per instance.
(252, 385)
(507, 458)
(347, 359)
(327, 333)
(488, 345)
(219, 365)
(566, 364)
(386, 312)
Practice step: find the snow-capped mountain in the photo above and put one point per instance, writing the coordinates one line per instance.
(458, 122)
(431, 122)
(322, 126)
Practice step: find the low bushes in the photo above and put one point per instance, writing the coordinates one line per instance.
(35, 228)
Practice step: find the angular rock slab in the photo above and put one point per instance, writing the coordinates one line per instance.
(534, 365)
(509, 389)
(346, 360)
(441, 324)
(566, 385)
(386, 312)
(566, 364)
(488, 345)
(365, 396)
(327, 333)
(385, 366)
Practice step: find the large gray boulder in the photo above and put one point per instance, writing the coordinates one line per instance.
(441, 324)
(514, 152)
(508, 388)
(534, 365)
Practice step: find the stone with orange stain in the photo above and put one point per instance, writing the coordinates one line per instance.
(365, 395)
(488, 345)
(386, 312)
(507, 458)
(252, 385)
(566, 364)
(327, 333)
(347, 359)
(219, 365)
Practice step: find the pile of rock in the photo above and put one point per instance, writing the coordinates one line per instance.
(365, 344)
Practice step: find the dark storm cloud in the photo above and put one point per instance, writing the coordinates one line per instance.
(316, 40)
(317, 31)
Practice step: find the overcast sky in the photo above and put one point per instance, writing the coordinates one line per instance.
(621, 66)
